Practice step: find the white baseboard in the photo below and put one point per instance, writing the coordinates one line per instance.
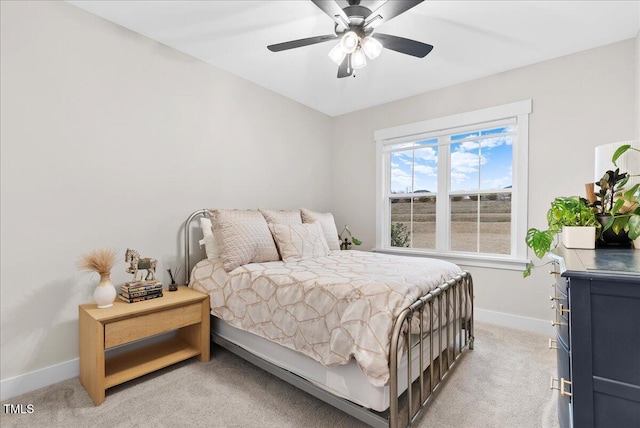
(37, 379)
(515, 321)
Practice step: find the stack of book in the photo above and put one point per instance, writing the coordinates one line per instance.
(138, 291)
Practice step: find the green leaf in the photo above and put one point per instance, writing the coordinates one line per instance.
(622, 149)
(539, 241)
(527, 271)
(634, 226)
(356, 241)
(617, 206)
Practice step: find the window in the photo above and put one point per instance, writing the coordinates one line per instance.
(456, 187)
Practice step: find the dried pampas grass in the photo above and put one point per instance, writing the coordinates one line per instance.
(101, 261)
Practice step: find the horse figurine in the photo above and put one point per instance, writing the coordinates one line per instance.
(137, 263)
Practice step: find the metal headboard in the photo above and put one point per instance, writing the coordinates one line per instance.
(187, 242)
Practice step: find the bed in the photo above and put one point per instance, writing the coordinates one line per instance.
(374, 335)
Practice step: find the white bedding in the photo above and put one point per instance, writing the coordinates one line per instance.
(331, 308)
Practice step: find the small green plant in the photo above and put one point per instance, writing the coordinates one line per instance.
(345, 244)
(400, 235)
(564, 211)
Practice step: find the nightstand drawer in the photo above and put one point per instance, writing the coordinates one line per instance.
(128, 330)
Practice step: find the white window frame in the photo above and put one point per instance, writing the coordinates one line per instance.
(519, 110)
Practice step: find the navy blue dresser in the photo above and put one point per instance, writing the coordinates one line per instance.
(597, 302)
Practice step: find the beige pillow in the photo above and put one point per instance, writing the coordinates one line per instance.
(327, 223)
(281, 217)
(243, 237)
(299, 241)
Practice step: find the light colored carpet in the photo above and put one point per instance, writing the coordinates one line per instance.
(503, 382)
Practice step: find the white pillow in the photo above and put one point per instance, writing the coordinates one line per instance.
(299, 241)
(327, 223)
(281, 217)
(209, 241)
(243, 237)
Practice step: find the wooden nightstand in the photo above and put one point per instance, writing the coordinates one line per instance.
(185, 310)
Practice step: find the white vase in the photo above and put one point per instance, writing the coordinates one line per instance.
(105, 292)
(579, 237)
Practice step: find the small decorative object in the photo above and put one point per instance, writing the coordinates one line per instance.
(101, 261)
(173, 286)
(345, 244)
(136, 263)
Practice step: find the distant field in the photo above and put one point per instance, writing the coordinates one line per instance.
(495, 223)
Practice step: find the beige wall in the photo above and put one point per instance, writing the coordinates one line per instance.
(111, 140)
(579, 101)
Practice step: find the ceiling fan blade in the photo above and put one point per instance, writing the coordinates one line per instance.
(389, 10)
(302, 42)
(345, 69)
(402, 45)
(334, 12)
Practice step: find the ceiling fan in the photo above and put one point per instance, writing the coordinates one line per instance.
(354, 26)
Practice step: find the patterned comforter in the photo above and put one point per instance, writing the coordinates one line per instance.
(330, 308)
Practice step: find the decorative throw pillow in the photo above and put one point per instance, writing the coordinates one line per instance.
(299, 241)
(209, 241)
(243, 237)
(281, 217)
(327, 223)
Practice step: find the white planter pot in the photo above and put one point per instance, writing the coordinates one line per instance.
(579, 237)
(636, 243)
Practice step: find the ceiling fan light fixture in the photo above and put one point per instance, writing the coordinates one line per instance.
(371, 47)
(358, 59)
(350, 42)
(337, 54)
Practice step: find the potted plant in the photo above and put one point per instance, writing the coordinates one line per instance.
(618, 208)
(573, 217)
(345, 244)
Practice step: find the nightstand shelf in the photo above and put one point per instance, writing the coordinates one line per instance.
(130, 365)
(185, 311)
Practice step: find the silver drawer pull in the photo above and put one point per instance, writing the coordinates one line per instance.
(563, 386)
(554, 272)
(553, 344)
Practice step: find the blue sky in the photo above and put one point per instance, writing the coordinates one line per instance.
(479, 161)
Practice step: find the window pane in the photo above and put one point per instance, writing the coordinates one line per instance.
(401, 179)
(497, 161)
(413, 222)
(414, 170)
(465, 165)
(481, 223)
(464, 223)
(481, 164)
(495, 223)
(423, 233)
(401, 211)
(426, 170)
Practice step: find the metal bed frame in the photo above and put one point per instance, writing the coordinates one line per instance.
(456, 292)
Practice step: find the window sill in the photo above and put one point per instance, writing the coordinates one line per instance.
(494, 262)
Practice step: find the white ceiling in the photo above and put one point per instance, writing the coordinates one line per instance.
(471, 39)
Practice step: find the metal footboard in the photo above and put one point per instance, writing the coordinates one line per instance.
(456, 293)
(449, 308)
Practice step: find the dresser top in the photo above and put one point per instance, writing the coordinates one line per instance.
(624, 262)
